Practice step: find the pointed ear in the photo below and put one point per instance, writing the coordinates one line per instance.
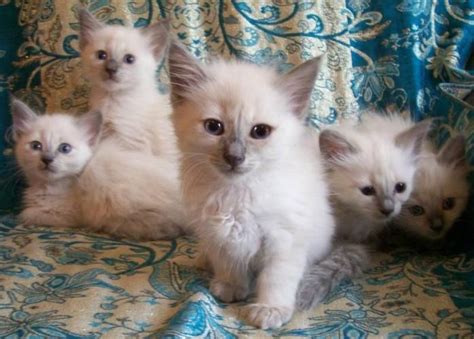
(413, 137)
(453, 152)
(298, 85)
(186, 71)
(334, 146)
(23, 117)
(91, 123)
(89, 25)
(158, 33)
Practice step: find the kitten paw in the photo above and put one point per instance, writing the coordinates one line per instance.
(268, 317)
(228, 292)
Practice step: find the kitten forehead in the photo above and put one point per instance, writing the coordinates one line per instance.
(120, 39)
(60, 125)
(235, 87)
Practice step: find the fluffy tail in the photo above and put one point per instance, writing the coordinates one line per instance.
(346, 260)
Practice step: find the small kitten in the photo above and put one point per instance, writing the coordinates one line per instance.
(440, 192)
(121, 64)
(52, 150)
(252, 178)
(72, 184)
(371, 171)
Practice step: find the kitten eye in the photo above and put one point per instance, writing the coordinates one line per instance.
(449, 203)
(214, 127)
(129, 58)
(36, 145)
(400, 187)
(64, 148)
(416, 210)
(368, 190)
(260, 131)
(101, 55)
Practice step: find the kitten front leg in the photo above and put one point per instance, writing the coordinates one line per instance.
(45, 217)
(276, 289)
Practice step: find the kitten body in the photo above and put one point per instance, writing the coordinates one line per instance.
(121, 64)
(440, 193)
(252, 179)
(371, 170)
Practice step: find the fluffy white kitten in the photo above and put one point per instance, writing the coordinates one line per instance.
(440, 193)
(252, 178)
(126, 193)
(121, 64)
(371, 171)
(52, 150)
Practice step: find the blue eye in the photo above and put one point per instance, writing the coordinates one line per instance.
(36, 145)
(101, 55)
(129, 58)
(64, 148)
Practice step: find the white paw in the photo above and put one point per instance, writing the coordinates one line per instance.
(228, 292)
(266, 316)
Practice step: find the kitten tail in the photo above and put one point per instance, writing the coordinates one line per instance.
(346, 260)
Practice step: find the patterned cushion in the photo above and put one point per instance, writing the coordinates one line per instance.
(406, 53)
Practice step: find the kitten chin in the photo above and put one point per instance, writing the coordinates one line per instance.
(252, 179)
(440, 193)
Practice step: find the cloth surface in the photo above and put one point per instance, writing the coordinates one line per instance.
(70, 284)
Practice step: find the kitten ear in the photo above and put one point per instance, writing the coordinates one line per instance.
(414, 136)
(23, 117)
(298, 84)
(158, 33)
(91, 123)
(453, 152)
(334, 146)
(88, 26)
(185, 71)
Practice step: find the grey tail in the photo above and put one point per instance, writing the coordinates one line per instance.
(346, 260)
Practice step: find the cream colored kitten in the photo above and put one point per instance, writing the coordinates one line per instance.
(52, 151)
(371, 171)
(121, 64)
(252, 179)
(440, 193)
(126, 193)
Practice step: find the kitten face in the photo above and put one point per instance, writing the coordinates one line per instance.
(120, 58)
(371, 176)
(440, 194)
(235, 118)
(52, 147)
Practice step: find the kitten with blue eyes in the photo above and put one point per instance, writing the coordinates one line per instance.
(121, 64)
(371, 171)
(440, 193)
(252, 178)
(74, 183)
(52, 151)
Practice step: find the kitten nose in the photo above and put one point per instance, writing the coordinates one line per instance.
(47, 159)
(437, 225)
(234, 160)
(387, 206)
(111, 67)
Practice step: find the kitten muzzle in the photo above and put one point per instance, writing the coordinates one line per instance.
(234, 154)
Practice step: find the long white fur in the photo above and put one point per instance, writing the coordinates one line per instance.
(270, 221)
